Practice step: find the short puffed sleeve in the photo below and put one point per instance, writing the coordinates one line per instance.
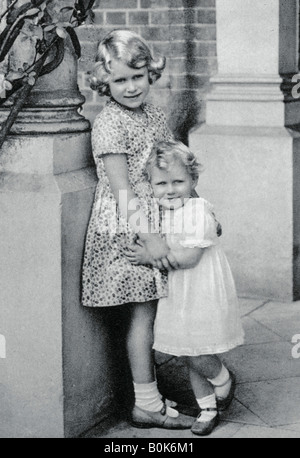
(199, 224)
(109, 134)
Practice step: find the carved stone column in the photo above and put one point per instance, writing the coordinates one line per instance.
(250, 145)
(55, 379)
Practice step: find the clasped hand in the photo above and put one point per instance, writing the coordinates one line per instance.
(139, 254)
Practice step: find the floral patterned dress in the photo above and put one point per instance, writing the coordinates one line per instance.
(108, 278)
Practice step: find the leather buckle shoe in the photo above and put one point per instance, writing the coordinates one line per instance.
(204, 428)
(141, 418)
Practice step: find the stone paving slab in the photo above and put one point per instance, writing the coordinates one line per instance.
(255, 432)
(238, 413)
(282, 318)
(263, 362)
(123, 430)
(224, 430)
(292, 427)
(256, 332)
(276, 402)
(249, 305)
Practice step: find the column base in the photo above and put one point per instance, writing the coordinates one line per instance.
(57, 375)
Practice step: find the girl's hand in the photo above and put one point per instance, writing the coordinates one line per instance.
(173, 261)
(218, 226)
(168, 263)
(139, 255)
(219, 229)
(156, 246)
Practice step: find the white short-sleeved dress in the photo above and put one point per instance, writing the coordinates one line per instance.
(108, 278)
(200, 315)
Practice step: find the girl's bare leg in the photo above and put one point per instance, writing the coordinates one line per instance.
(207, 365)
(140, 341)
(200, 385)
(149, 409)
(204, 394)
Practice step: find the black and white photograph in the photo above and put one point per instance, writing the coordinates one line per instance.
(149, 221)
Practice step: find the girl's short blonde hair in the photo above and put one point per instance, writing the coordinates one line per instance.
(164, 154)
(128, 47)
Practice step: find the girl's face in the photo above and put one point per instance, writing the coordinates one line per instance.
(173, 186)
(128, 86)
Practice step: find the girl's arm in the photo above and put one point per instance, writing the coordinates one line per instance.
(117, 173)
(182, 258)
(187, 258)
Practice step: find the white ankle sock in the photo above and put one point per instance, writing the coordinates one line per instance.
(221, 383)
(148, 397)
(205, 403)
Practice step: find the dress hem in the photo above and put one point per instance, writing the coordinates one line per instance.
(199, 352)
(124, 303)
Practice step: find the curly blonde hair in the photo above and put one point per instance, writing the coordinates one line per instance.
(126, 46)
(165, 153)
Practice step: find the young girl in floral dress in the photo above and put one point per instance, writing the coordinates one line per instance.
(123, 136)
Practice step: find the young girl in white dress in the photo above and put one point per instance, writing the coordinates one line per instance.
(200, 316)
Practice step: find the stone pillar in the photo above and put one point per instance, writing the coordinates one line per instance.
(55, 377)
(250, 145)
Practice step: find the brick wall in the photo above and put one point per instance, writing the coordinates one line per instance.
(183, 30)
